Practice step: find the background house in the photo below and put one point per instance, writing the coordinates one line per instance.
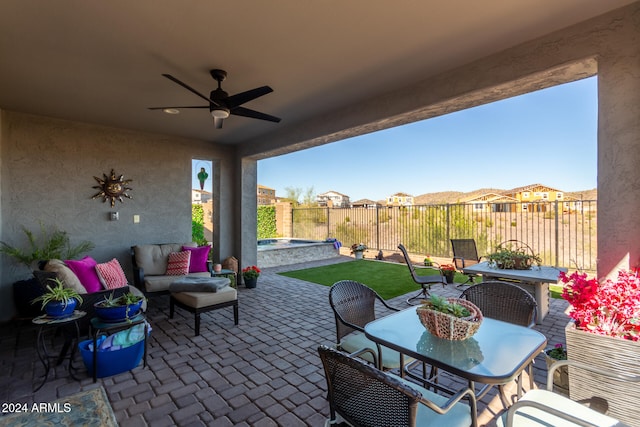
(400, 199)
(492, 202)
(266, 195)
(530, 194)
(201, 196)
(365, 203)
(333, 199)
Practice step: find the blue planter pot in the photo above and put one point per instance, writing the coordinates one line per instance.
(118, 313)
(60, 310)
(251, 283)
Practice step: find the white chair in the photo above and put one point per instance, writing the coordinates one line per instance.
(538, 408)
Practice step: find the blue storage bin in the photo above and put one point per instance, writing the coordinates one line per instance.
(111, 362)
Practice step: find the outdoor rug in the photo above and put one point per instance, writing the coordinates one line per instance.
(87, 408)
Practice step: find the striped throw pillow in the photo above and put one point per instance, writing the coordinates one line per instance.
(178, 264)
(111, 275)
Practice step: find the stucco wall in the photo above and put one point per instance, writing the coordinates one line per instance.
(48, 169)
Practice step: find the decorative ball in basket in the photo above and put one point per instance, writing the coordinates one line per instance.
(450, 318)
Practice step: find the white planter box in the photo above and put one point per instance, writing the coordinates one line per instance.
(612, 354)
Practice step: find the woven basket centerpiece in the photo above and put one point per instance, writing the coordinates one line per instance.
(446, 324)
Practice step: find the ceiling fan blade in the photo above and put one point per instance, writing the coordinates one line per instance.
(189, 88)
(245, 112)
(242, 97)
(217, 122)
(162, 108)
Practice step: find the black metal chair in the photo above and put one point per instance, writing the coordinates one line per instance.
(365, 396)
(425, 281)
(509, 303)
(354, 305)
(465, 254)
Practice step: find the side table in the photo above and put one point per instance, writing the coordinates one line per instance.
(70, 329)
(98, 326)
(230, 274)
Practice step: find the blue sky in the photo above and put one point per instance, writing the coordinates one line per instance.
(547, 137)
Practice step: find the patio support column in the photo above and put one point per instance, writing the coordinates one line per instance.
(619, 155)
(248, 216)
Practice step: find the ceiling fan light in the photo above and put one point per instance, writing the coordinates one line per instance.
(171, 111)
(220, 113)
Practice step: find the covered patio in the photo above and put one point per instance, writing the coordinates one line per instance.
(263, 372)
(74, 98)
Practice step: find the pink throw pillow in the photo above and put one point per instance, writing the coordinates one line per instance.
(85, 269)
(111, 275)
(178, 264)
(199, 257)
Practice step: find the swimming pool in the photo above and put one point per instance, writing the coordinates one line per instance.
(285, 251)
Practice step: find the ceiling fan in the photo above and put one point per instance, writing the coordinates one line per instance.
(221, 105)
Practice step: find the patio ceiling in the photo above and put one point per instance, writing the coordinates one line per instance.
(101, 62)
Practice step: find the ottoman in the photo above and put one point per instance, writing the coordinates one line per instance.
(201, 294)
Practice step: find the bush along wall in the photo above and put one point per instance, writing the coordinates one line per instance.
(267, 222)
(197, 224)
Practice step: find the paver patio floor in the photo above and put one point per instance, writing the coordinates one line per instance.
(263, 372)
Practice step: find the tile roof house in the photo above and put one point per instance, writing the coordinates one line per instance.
(491, 202)
(400, 199)
(365, 203)
(333, 199)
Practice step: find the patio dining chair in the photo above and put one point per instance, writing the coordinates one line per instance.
(465, 254)
(509, 303)
(545, 408)
(354, 305)
(425, 281)
(364, 396)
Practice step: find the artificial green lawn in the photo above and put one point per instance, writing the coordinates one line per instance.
(388, 279)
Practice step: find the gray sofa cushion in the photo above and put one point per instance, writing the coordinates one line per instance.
(153, 259)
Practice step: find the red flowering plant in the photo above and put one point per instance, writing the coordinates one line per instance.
(610, 307)
(251, 272)
(447, 267)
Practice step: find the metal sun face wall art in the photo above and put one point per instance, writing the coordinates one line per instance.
(112, 188)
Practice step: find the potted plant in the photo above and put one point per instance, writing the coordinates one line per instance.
(250, 275)
(449, 272)
(519, 258)
(450, 318)
(124, 307)
(49, 244)
(561, 375)
(357, 249)
(428, 262)
(59, 301)
(604, 333)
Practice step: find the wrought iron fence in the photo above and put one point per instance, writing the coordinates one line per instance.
(562, 233)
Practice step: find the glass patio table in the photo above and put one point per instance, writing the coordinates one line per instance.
(495, 355)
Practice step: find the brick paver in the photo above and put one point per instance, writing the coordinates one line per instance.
(263, 372)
